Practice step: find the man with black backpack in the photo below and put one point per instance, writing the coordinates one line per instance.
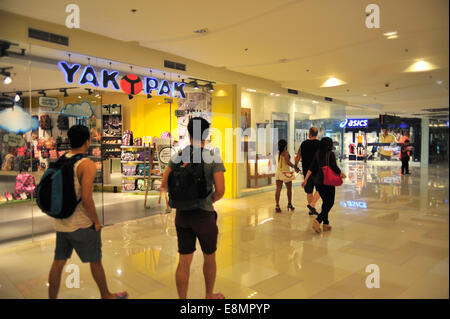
(195, 180)
(72, 206)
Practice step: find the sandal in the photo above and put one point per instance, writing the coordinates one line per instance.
(326, 227)
(278, 209)
(312, 210)
(290, 207)
(316, 226)
(121, 295)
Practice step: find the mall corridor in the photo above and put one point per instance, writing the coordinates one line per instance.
(400, 223)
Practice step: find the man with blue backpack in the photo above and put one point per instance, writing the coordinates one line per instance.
(65, 193)
(195, 180)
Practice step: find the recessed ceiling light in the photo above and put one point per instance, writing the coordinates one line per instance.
(421, 66)
(315, 102)
(271, 93)
(388, 34)
(251, 90)
(439, 82)
(332, 82)
(364, 94)
(392, 37)
(277, 94)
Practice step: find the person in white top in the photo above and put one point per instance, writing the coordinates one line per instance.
(81, 231)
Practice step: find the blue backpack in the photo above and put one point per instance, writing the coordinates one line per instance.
(55, 194)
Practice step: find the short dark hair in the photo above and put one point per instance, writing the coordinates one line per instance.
(406, 141)
(204, 127)
(313, 131)
(78, 135)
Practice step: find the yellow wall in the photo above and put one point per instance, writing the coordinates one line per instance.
(145, 117)
(223, 105)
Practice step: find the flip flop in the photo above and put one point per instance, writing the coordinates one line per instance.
(121, 295)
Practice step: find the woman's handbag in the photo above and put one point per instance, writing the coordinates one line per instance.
(286, 177)
(330, 178)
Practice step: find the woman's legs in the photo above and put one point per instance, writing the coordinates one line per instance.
(327, 193)
(278, 192)
(289, 192)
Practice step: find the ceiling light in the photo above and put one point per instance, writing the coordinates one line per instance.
(392, 37)
(89, 91)
(17, 97)
(79, 96)
(149, 96)
(271, 93)
(210, 87)
(389, 34)
(42, 92)
(195, 85)
(251, 90)
(439, 82)
(364, 94)
(130, 97)
(277, 94)
(421, 66)
(333, 82)
(315, 102)
(7, 80)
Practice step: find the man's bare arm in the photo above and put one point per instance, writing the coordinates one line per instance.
(87, 173)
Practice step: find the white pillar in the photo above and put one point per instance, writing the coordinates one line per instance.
(425, 143)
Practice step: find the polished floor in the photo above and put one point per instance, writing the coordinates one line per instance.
(399, 223)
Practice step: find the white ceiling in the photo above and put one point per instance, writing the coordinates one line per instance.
(285, 38)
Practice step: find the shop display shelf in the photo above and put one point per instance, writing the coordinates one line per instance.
(115, 137)
(17, 201)
(134, 176)
(132, 146)
(150, 192)
(133, 162)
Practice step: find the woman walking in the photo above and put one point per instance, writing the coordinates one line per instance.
(324, 157)
(284, 175)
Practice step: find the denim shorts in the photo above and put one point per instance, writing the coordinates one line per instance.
(195, 224)
(86, 242)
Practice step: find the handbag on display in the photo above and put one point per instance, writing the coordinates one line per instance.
(127, 138)
(25, 183)
(128, 185)
(62, 122)
(141, 185)
(330, 178)
(138, 141)
(127, 156)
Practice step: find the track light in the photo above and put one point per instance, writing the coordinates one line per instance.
(130, 97)
(42, 92)
(64, 91)
(7, 80)
(17, 97)
(210, 87)
(89, 91)
(149, 96)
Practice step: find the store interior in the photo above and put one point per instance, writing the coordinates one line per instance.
(132, 135)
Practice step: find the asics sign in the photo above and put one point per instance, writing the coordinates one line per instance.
(130, 83)
(354, 123)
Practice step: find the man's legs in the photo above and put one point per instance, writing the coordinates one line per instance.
(99, 276)
(209, 271)
(182, 274)
(54, 278)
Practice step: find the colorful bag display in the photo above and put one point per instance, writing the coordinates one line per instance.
(138, 141)
(140, 155)
(165, 135)
(45, 122)
(25, 183)
(127, 138)
(62, 122)
(129, 170)
(141, 185)
(127, 156)
(140, 169)
(128, 185)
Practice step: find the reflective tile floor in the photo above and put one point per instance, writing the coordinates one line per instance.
(398, 223)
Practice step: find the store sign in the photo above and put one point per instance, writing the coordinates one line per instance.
(350, 123)
(130, 83)
(51, 102)
(6, 101)
(180, 113)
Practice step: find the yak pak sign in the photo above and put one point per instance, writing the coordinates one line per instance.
(131, 84)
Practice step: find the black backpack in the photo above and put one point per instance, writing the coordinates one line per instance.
(187, 184)
(62, 122)
(55, 194)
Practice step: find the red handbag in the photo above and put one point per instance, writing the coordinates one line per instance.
(330, 178)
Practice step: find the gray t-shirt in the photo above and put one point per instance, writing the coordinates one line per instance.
(212, 163)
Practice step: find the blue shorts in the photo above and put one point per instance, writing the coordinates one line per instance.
(86, 242)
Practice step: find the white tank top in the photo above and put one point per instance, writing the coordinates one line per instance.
(78, 219)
